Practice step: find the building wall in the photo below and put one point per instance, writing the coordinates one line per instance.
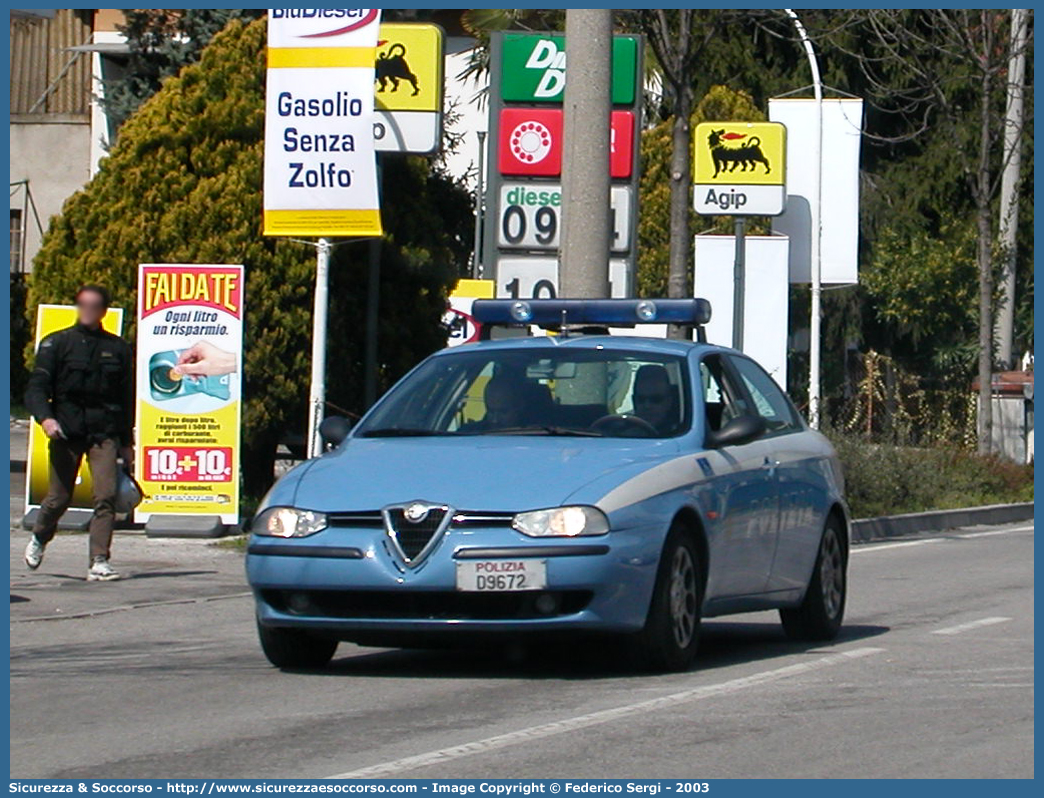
(46, 78)
(54, 157)
(57, 128)
(1013, 427)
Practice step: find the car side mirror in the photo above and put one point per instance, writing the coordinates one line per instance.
(334, 429)
(740, 430)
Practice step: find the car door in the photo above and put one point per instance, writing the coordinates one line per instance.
(793, 457)
(743, 491)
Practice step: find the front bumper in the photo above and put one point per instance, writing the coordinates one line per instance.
(349, 583)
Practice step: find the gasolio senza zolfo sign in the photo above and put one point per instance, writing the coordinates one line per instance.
(320, 167)
(739, 168)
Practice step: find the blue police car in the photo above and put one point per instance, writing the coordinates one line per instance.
(577, 482)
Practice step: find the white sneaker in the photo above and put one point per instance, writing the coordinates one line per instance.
(34, 552)
(101, 571)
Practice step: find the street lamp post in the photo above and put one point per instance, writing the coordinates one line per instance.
(816, 232)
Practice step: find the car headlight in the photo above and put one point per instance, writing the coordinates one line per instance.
(288, 522)
(566, 522)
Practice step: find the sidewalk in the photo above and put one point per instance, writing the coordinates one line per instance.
(154, 570)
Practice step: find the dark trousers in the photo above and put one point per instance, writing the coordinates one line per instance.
(65, 457)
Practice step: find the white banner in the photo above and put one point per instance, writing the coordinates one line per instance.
(839, 225)
(765, 296)
(320, 167)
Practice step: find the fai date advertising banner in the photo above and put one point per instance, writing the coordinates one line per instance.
(320, 164)
(189, 378)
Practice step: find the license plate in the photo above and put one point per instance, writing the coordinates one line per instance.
(501, 576)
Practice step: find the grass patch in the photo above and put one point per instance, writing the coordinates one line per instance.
(232, 543)
(887, 480)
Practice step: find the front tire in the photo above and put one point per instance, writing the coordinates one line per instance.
(671, 634)
(821, 612)
(295, 648)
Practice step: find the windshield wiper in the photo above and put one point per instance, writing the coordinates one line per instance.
(543, 429)
(398, 432)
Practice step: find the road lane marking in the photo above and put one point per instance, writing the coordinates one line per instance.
(995, 532)
(603, 716)
(967, 627)
(903, 545)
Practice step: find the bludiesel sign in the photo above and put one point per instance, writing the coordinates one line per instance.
(320, 171)
(535, 68)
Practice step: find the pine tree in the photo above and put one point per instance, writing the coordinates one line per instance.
(183, 185)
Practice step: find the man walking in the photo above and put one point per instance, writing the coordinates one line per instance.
(81, 392)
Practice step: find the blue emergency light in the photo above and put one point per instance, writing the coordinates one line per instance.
(591, 312)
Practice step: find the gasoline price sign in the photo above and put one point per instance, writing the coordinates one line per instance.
(530, 216)
(536, 277)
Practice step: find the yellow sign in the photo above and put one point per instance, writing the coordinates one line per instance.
(739, 153)
(189, 397)
(49, 319)
(475, 289)
(408, 69)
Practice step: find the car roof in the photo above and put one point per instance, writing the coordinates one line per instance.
(631, 343)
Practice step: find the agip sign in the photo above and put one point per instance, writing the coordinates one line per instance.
(739, 168)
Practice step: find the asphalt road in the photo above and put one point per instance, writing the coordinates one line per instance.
(932, 677)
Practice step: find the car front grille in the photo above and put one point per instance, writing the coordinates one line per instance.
(413, 539)
(414, 536)
(427, 605)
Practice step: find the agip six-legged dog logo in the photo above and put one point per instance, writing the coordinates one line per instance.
(746, 154)
(392, 67)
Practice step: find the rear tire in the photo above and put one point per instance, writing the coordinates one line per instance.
(671, 634)
(823, 609)
(295, 648)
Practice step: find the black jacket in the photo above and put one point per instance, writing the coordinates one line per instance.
(85, 379)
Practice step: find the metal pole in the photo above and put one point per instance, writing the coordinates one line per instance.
(317, 391)
(1009, 197)
(816, 232)
(373, 299)
(476, 265)
(584, 254)
(739, 283)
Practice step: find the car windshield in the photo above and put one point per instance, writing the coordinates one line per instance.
(589, 392)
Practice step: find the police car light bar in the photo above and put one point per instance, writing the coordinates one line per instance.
(606, 312)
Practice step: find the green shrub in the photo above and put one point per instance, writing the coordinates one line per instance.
(886, 480)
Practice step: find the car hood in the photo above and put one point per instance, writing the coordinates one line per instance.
(489, 474)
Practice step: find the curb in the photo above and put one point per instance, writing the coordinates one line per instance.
(865, 530)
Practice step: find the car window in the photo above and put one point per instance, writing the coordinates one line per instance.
(722, 401)
(769, 401)
(595, 392)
